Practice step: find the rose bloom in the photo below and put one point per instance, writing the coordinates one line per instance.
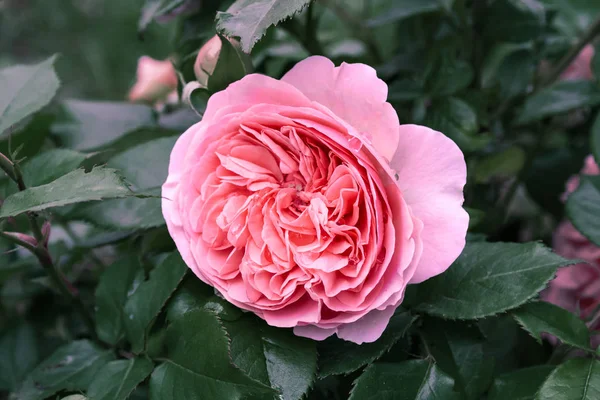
(576, 287)
(304, 201)
(156, 81)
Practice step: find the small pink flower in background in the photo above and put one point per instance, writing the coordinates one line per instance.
(577, 287)
(581, 67)
(156, 81)
(304, 201)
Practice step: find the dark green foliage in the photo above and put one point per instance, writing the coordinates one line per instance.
(487, 74)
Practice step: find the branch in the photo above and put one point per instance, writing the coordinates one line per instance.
(572, 54)
(39, 247)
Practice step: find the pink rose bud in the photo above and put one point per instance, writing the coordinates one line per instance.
(46, 228)
(581, 67)
(156, 81)
(576, 287)
(23, 237)
(305, 201)
(206, 61)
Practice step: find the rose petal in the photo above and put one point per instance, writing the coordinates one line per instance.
(431, 174)
(354, 93)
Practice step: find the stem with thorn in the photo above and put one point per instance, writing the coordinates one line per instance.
(40, 248)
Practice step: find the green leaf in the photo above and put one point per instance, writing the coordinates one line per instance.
(122, 214)
(515, 20)
(145, 166)
(575, 379)
(489, 278)
(595, 134)
(583, 208)
(117, 379)
(230, 67)
(273, 356)
(546, 177)
(194, 368)
(559, 98)
(145, 304)
(510, 67)
(402, 9)
(573, 17)
(405, 90)
(510, 345)
(25, 90)
(18, 355)
(50, 165)
(503, 164)
(449, 75)
(74, 187)
(195, 294)
(29, 138)
(521, 384)
(71, 367)
(459, 350)
(198, 97)
(457, 120)
(409, 380)
(249, 19)
(538, 317)
(95, 125)
(338, 356)
(112, 291)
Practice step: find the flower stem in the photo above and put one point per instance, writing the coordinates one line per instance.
(40, 249)
(564, 63)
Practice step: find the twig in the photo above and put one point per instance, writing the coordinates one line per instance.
(40, 249)
(564, 63)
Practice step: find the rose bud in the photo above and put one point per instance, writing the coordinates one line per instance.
(576, 287)
(305, 201)
(206, 60)
(156, 81)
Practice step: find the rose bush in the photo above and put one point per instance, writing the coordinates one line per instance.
(202, 231)
(304, 200)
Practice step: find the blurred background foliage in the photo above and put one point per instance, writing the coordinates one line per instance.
(97, 41)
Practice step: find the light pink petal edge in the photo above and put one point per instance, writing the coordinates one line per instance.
(431, 175)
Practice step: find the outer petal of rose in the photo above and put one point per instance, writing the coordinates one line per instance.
(170, 192)
(431, 175)
(354, 93)
(313, 332)
(367, 329)
(255, 89)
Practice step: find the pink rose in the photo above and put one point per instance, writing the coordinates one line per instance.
(156, 81)
(581, 67)
(576, 287)
(304, 201)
